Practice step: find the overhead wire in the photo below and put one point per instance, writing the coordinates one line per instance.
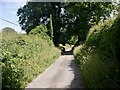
(9, 21)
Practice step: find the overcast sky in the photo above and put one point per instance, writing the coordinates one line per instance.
(8, 11)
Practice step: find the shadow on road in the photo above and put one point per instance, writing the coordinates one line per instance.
(77, 81)
(67, 53)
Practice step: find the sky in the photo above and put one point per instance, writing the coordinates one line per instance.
(8, 11)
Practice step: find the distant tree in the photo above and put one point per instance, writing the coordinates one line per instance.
(8, 29)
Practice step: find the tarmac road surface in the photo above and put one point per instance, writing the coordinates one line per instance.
(64, 73)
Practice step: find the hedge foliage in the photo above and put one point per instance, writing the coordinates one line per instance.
(24, 57)
(99, 57)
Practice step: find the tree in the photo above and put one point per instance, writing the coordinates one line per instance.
(34, 13)
(68, 18)
(81, 16)
(9, 30)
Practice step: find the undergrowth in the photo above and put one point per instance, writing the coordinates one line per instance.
(24, 57)
(99, 57)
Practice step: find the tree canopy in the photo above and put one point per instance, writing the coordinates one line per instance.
(69, 19)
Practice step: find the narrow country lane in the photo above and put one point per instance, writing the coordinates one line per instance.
(64, 73)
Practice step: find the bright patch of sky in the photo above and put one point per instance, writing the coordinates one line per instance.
(8, 11)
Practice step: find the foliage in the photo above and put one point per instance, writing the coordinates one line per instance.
(23, 58)
(99, 57)
(31, 14)
(73, 40)
(81, 16)
(95, 33)
(41, 31)
(68, 18)
(34, 13)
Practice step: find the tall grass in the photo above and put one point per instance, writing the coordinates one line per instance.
(24, 57)
(98, 56)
